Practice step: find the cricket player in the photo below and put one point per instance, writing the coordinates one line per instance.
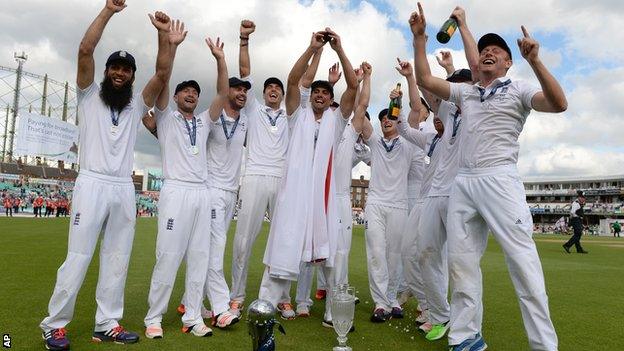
(184, 205)
(103, 199)
(267, 144)
(488, 191)
(305, 225)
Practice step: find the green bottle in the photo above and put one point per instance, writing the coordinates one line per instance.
(447, 30)
(394, 110)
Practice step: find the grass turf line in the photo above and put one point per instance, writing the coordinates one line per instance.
(585, 293)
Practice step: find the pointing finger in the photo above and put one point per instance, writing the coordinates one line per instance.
(525, 32)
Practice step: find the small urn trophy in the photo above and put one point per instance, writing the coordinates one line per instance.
(342, 310)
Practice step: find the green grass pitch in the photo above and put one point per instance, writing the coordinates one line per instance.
(585, 292)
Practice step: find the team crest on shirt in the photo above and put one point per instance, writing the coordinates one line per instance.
(77, 218)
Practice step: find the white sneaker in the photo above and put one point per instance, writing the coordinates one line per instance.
(154, 331)
(303, 310)
(286, 310)
(426, 327)
(236, 307)
(224, 320)
(199, 329)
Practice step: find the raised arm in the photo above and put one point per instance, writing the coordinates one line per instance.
(177, 34)
(445, 60)
(551, 98)
(360, 123)
(334, 74)
(347, 101)
(437, 86)
(470, 45)
(418, 112)
(300, 67)
(86, 63)
(163, 59)
(216, 48)
(244, 64)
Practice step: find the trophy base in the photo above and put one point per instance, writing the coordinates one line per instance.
(342, 348)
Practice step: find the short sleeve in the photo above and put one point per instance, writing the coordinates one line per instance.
(139, 104)
(87, 92)
(527, 92)
(457, 92)
(305, 94)
(161, 116)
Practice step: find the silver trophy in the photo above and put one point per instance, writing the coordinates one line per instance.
(261, 320)
(342, 310)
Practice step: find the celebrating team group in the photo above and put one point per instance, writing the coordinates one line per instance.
(436, 189)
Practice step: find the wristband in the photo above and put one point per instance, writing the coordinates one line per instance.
(243, 38)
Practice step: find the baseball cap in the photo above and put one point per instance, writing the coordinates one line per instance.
(273, 80)
(382, 113)
(235, 81)
(461, 75)
(121, 56)
(493, 39)
(187, 83)
(323, 84)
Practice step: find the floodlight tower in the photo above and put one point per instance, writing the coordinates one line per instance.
(20, 59)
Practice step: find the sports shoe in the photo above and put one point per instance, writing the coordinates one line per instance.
(423, 317)
(380, 315)
(404, 296)
(357, 300)
(181, 309)
(198, 330)
(320, 294)
(236, 307)
(437, 332)
(56, 339)
(154, 331)
(225, 319)
(397, 312)
(473, 344)
(286, 311)
(567, 249)
(583, 252)
(303, 310)
(425, 327)
(117, 335)
(330, 324)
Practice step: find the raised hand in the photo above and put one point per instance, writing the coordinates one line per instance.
(334, 39)
(395, 94)
(317, 41)
(417, 22)
(405, 68)
(161, 21)
(445, 59)
(216, 48)
(529, 47)
(116, 5)
(460, 15)
(246, 28)
(359, 74)
(366, 68)
(177, 34)
(334, 73)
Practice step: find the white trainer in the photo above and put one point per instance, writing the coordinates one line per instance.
(199, 329)
(154, 331)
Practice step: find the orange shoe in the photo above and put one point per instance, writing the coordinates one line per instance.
(320, 294)
(181, 309)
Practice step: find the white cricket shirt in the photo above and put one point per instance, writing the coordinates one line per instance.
(102, 150)
(225, 151)
(343, 160)
(448, 165)
(494, 117)
(179, 162)
(389, 167)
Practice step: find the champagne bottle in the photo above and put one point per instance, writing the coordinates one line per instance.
(446, 31)
(394, 110)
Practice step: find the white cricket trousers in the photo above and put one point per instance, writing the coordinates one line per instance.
(494, 197)
(409, 256)
(216, 288)
(384, 232)
(258, 194)
(433, 257)
(274, 290)
(183, 221)
(341, 260)
(99, 202)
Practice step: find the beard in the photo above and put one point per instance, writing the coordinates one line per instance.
(115, 98)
